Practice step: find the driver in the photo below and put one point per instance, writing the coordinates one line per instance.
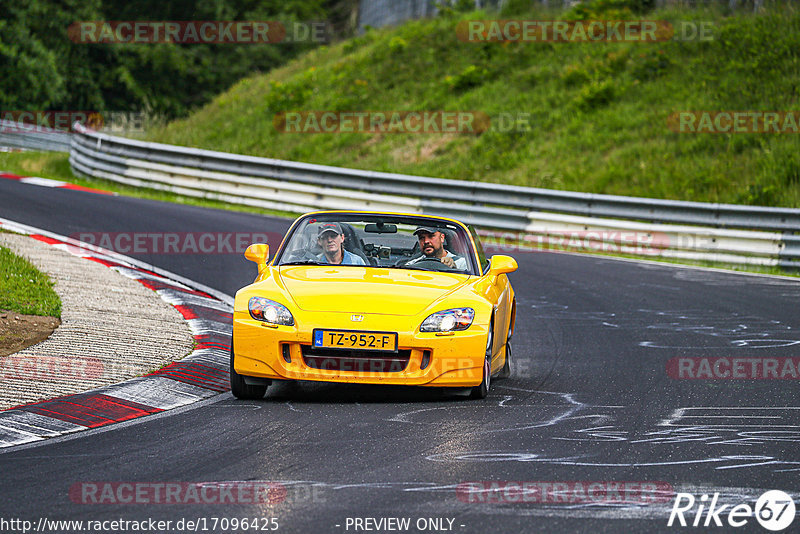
(431, 243)
(331, 238)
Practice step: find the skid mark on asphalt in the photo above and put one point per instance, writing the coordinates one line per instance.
(722, 426)
(720, 279)
(727, 461)
(706, 428)
(740, 343)
(563, 410)
(718, 426)
(543, 308)
(767, 416)
(724, 331)
(505, 400)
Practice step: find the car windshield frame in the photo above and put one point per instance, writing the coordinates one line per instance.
(285, 257)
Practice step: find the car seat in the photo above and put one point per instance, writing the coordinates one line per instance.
(354, 245)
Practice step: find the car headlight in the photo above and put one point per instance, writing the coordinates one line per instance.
(448, 320)
(269, 311)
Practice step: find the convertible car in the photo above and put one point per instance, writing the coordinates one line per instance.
(374, 298)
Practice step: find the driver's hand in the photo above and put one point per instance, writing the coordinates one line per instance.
(447, 260)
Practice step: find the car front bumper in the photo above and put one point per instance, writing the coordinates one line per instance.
(424, 358)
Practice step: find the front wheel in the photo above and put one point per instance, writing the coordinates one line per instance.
(241, 390)
(482, 390)
(505, 372)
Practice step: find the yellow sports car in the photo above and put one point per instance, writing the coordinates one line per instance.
(374, 298)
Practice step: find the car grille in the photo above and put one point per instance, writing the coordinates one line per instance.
(363, 361)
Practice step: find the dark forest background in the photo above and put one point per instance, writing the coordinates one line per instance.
(42, 69)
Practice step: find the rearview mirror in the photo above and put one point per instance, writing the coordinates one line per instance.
(502, 264)
(380, 228)
(258, 252)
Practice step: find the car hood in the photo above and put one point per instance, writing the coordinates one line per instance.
(367, 290)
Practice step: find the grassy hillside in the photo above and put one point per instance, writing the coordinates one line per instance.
(598, 111)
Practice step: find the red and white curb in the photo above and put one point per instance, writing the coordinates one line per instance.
(200, 375)
(47, 182)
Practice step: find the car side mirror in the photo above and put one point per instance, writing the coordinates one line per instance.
(500, 264)
(259, 253)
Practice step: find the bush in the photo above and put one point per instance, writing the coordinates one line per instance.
(610, 9)
(472, 76)
(596, 95)
(575, 75)
(397, 45)
(651, 65)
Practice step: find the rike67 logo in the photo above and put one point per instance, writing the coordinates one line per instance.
(774, 510)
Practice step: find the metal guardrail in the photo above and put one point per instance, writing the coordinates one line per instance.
(680, 229)
(32, 137)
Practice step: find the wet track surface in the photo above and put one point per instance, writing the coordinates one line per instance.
(590, 400)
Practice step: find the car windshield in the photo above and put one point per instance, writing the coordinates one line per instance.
(385, 241)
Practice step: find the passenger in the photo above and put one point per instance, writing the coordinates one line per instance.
(331, 238)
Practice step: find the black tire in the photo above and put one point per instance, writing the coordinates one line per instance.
(241, 390)
(482, 390)
(505, 372)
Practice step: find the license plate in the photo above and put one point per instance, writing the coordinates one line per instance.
(355, 339)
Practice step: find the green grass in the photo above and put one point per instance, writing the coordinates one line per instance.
(24, 289)
(54, 165)
(598, 111)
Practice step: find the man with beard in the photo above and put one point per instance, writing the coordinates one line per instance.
(431, 243)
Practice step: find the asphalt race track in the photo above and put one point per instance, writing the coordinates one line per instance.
(590, 401)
